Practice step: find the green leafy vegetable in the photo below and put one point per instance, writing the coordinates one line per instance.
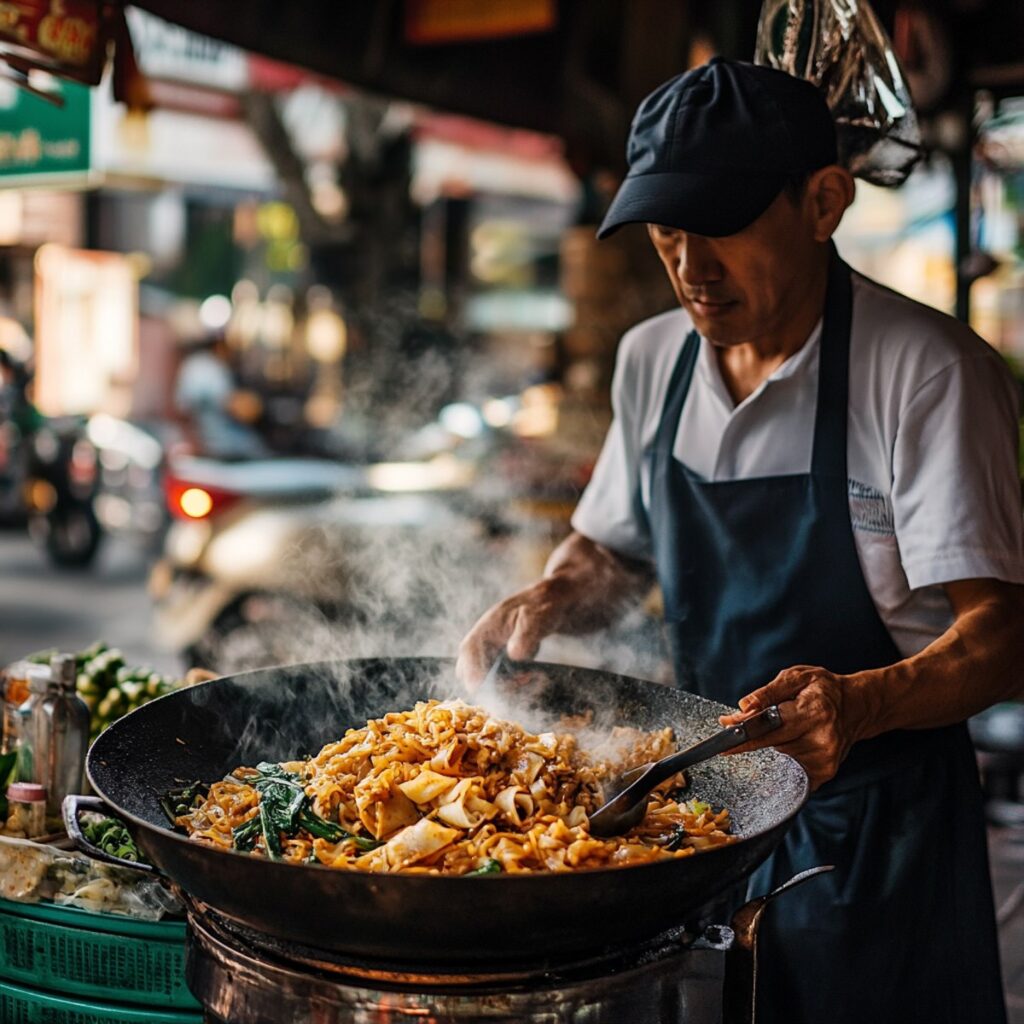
(176, 803)
(489, 867)
(265, 771)
(324, 829)
(246, 834)
(284, 808)
(279, 807)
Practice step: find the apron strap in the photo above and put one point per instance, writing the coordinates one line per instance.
(678, 387)
(830, 419)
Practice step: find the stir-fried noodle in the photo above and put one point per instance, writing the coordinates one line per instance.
(446, 788)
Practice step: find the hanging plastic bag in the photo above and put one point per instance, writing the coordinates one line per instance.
(841, 47)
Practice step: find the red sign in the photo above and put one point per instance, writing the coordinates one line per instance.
(63, 36)
(447, 21)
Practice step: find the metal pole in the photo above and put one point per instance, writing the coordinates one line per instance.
(962, 160)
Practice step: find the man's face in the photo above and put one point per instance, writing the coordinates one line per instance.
(744, 286)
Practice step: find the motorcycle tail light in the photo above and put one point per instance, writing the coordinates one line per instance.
(82, 467)
(191, 501)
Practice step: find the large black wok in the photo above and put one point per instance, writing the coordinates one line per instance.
(282, 713)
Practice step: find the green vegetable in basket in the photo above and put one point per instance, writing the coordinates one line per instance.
(110, 835)
(7, 763)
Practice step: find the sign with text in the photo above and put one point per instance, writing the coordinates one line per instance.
(168, 52)
(61, 35)
(40, 141)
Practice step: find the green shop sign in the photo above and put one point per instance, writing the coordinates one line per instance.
(41, 142)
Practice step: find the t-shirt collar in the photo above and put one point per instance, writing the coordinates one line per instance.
(799, 363)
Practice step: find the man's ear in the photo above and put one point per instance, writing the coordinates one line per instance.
(828, 193)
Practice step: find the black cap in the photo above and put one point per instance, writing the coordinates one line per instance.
(710, 150)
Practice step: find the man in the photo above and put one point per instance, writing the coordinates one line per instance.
(218, 413)
(823, 475)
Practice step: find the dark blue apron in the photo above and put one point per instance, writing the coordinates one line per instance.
(762, 574)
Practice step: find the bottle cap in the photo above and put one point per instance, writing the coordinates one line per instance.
(64, 671)
(39, 679)
(26, 792)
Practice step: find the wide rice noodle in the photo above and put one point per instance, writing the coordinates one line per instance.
(446, 788)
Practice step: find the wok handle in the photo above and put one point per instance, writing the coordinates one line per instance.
(741, 969)
(70, 810)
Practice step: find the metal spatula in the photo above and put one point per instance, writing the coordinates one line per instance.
(629, 804)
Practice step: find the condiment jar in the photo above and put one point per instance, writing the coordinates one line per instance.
(26, 812)
(60, 735)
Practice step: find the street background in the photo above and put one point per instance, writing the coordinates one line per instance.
(306, 340)
(43, 608)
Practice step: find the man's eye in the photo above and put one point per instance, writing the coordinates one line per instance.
(664, 231)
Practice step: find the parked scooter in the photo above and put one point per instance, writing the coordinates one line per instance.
(61, 490)
(267, 561)
(130, 499)
(18, 419)
(74, 479)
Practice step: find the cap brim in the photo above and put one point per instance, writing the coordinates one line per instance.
(712, 205)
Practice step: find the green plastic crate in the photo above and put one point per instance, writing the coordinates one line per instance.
(26, 1006)
(104, 957)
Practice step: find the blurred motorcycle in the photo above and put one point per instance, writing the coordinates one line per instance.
(269, 561)
(60, 492)
(74, 478)
(129, 500)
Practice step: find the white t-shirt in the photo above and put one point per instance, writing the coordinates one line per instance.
(931, 449)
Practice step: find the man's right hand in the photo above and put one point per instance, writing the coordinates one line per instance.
(584, 588)
(519, 624)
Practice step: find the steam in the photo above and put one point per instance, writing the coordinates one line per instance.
(404, 575)
(412, 587)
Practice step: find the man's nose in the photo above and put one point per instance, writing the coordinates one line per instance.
(696, 262)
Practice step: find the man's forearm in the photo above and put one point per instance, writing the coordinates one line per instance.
(977, 662)
(594, 584)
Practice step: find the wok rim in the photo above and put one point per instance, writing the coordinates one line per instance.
(165, 833)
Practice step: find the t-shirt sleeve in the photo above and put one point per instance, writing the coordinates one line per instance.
(610, 512)
(956, 487)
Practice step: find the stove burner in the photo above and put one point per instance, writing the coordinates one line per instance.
(443, 973)
(245, 977)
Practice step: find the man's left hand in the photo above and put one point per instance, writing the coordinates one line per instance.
(822, 718)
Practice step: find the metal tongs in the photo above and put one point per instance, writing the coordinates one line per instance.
(627, 808)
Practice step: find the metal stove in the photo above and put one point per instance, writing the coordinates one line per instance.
(245, 977)
(702, 975)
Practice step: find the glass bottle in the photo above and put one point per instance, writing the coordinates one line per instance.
(39, 683)
(60, 735)
(14, 680)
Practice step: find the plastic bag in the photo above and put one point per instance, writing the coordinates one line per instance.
(841, 47)
(32, 873)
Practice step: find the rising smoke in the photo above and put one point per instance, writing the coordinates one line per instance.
(409, 582)
(407, 576)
